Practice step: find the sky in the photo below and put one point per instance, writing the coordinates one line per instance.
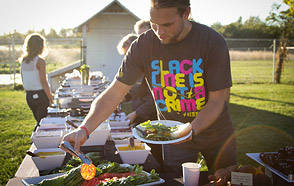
(24, 15)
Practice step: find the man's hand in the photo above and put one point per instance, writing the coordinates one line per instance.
(132, 116)
(183, 141)
(76, 138)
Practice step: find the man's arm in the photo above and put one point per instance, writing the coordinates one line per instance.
(101, 109)
(211, 110)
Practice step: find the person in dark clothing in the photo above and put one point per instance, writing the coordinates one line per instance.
(187, 66)
(140, 96)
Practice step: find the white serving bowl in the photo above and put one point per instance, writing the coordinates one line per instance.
(119, 123)
(99, 135)
(133, 156)
(43, 140)
(122, 138)
(49, 162)
(53, 122)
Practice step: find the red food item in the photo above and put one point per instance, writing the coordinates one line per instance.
(106, 177)
(88, 171)
(93, 182)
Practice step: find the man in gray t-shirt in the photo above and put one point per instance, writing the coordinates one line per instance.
(182, 75)
(187, 67)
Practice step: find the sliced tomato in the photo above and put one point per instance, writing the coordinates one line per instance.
(88, 171)
(93, 182)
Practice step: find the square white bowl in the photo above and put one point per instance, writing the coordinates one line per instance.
(119, 123)
(53, 121)
(122, 138)
(49, 162)
(121, 130)
(99, 135)
(43, 140)
(133, 156)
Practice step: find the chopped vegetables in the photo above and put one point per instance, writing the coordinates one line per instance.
(158, 131)
(109, 173)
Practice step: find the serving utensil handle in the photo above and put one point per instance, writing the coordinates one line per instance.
(66, 145)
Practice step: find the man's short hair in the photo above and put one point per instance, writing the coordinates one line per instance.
(141, 24)
(125, 43)
(181, 5)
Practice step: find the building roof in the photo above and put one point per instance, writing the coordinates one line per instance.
(107, 10)
(65, 69)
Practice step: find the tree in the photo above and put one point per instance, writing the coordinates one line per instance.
(218, 27)
(52, 34)
(285, 21)
(66, 32)
(42, 32)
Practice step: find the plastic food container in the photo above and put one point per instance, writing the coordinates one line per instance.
(122, 139)
(54, 158)
(99, 135)
(121, 130)
(119, 123)
(50, 139)
(53, 122)
(133, 156)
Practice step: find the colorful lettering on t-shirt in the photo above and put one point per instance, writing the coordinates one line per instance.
(179, 88)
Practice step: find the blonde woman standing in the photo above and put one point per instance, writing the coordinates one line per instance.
(33, 73)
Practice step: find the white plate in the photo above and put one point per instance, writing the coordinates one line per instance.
(36, 180)
(168, 123)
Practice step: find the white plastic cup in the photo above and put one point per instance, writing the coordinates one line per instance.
(191, 173)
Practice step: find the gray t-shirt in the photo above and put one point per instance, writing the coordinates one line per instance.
(181, 74)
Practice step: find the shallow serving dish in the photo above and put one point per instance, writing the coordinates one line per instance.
(51, 161)
(36, 180)
(50, 139)
(133, 156)
(122, 138)
(99, 135)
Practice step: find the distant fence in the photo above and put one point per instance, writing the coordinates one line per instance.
(10, 49)
(63, 51)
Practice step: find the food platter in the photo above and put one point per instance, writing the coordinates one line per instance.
(255, 156)
(168, 123)
(36, 180)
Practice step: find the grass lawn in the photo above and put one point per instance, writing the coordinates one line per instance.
(17, 123)
(262, 113)
(260, 71)
(263, 116)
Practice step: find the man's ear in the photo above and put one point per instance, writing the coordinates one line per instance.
(187, 13)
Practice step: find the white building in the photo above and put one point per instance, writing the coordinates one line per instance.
(101, 33)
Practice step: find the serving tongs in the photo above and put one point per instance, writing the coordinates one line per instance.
(67, 146)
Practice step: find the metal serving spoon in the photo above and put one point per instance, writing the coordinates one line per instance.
(132, 143)
(34, 154)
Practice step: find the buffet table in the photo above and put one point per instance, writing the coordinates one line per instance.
(27, 169)
(72, 95)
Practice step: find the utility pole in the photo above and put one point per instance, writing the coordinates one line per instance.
(13, 59)
(274, 59)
